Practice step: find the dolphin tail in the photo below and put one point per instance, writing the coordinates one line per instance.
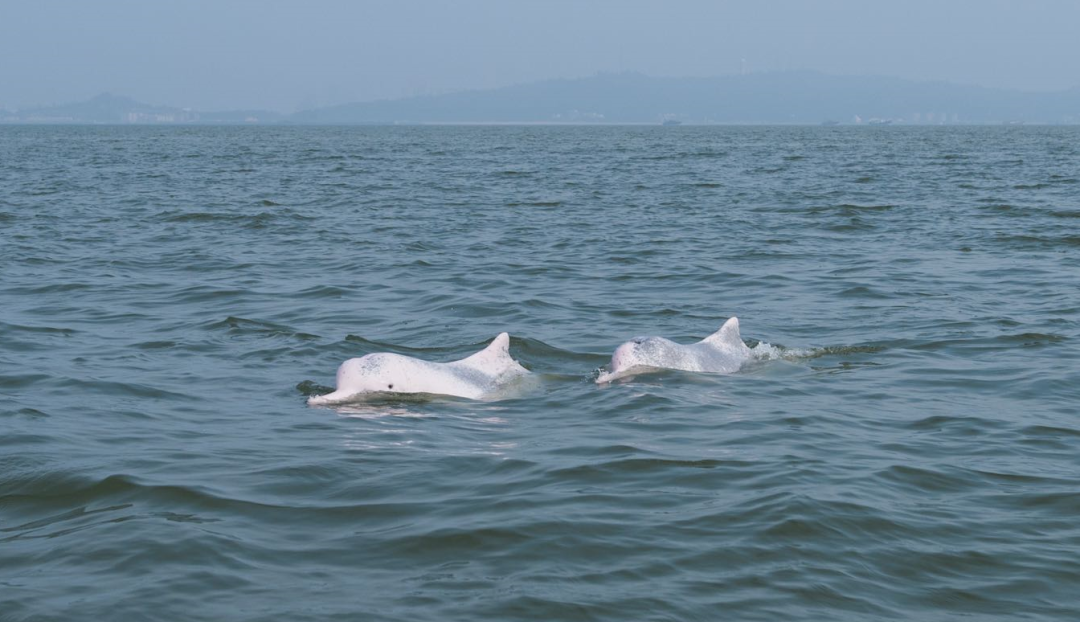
(727, 335)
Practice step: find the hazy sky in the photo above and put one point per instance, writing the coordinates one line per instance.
(287, 54)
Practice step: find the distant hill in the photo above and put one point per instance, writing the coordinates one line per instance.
(108, 108)
(776, 97)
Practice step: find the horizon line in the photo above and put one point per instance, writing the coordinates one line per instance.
(598, 74)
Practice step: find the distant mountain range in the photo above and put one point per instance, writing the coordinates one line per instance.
(776, 97)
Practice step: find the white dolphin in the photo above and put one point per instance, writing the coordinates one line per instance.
(479, 376)
(721, 352)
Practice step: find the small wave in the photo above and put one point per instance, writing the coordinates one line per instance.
(1039, 241)
(997, 342)
(155, 345)
(925, 479)
(1029, 340)
(850, 208)
(968, 424)
(612, 470)
(534, 204)
(197, 217)
(21, 381)
(855, 224)
(377, 410)
(30, 530)
(536, 354)
(50, 330)
(241, 326)
(1047, 437)
(765, 351)
(33, 413)
(362, 345)
(51, 288)
(323, 291)
(62, 489)
(862, 291)
(309, 388)
(114, 388)
(378, 402)
(257, 220)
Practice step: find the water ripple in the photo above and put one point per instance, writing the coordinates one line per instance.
(903, 445)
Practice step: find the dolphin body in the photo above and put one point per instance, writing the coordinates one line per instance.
(722, 352)
(479, 376)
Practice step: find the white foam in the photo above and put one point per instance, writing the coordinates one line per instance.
(767, 352)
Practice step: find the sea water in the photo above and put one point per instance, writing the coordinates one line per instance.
(905, 443)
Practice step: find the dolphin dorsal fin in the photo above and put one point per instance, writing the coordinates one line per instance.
(728, 334)
(498, 351)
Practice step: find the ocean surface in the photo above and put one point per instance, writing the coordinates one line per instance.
(904, 445)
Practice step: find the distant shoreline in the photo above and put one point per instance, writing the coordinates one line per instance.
(530, 124)
(777, 98)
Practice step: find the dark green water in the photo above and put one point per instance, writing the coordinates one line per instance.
(907, 445)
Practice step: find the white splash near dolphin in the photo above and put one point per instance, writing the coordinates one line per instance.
(721, 352)
(480, 376)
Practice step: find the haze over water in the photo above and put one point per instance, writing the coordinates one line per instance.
(286, 55)
(904, 446)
